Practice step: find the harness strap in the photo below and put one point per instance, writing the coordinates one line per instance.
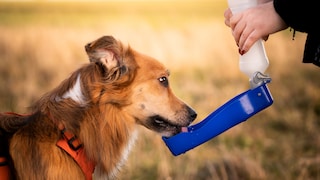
(73, 142)
(69, 143)
(72, 145)
(4, 169)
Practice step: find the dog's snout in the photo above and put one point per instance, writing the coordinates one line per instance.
(192, 114)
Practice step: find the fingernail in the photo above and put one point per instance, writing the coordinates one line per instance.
(241, 52)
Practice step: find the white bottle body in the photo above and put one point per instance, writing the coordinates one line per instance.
(255, 60)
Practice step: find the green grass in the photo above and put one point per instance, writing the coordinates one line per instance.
(42, 43)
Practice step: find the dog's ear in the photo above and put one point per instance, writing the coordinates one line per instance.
(105, 50)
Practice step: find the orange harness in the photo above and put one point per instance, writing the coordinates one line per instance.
(70, 144)
(4, 169)
(5, 172)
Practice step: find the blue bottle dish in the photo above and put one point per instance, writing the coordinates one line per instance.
(235, 111)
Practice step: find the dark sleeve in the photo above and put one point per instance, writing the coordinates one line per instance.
(3, 146)
(301, 15)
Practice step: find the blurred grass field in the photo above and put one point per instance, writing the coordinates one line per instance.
(41, 43)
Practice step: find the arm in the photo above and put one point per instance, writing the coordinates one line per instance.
(302, 16)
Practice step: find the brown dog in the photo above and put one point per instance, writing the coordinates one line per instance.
(88, 123)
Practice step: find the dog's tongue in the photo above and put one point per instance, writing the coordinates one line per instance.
(184, 129)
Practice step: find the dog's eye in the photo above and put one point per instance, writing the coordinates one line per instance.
(164, 81)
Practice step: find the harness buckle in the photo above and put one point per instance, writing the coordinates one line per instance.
(72, 140)
(74, 143)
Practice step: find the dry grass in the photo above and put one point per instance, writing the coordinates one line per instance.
(42, 43)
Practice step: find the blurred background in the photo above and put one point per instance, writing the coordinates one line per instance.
(42, 42)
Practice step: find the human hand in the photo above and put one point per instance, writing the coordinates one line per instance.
(253, 24)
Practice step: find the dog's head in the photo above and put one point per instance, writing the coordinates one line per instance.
(150, 100)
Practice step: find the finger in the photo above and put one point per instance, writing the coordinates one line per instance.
(227, 22)
(237, 28)
(249, 41)
(227, 13)
(227, 16)
(234, 20)
(243, 36)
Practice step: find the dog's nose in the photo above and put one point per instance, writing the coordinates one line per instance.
(192, 114)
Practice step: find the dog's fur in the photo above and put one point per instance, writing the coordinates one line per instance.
(100, 103)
